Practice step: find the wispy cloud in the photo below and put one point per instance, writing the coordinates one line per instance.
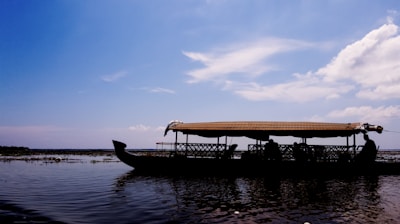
(367, 113)
(303, 89)
(160, 90)
(145, 128)
(139, 127)
(370, 114)
(114, 77)
(245, 58)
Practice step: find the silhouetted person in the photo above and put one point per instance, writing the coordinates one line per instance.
(228, 154)
(298, 153)
(272, 151)
(368, 152)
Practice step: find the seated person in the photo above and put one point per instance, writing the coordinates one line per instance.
(368, 152)
(298, 153)
(272, 151)
(228, 154)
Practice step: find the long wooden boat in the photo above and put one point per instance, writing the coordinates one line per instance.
(218, 158)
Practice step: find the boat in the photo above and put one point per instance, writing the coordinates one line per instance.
(264, 157)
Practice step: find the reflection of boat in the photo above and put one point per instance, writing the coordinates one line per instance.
(260, 158)
(219, 199)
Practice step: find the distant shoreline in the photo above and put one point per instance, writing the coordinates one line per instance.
(13, 153)
(25, 151)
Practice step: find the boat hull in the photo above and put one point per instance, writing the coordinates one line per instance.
(243, 167)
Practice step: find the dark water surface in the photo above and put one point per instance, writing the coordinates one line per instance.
(103, 190)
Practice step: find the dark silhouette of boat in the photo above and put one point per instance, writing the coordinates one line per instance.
(265, 157)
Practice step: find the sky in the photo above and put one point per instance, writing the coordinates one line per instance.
(79, 73)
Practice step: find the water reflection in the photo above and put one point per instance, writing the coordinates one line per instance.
(107, 193)
(255, 200)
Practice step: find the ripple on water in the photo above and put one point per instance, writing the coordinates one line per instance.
(109, 193)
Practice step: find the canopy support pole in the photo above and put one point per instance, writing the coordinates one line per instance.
(354, 145)
(187, 141)
(176, 140)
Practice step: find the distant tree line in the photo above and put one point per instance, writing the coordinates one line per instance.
(7, 150)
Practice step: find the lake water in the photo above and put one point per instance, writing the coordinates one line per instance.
(86, 189)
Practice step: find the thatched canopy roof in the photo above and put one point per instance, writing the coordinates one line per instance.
(263, 129)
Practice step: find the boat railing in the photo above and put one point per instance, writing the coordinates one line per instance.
(206, 150)
(318, 153)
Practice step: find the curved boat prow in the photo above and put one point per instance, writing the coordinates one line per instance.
(122, 154)
(119, 145)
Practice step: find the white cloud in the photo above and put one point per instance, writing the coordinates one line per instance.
(372, 63)
(157, 90)
(145, 128)
(161, 90)
(160, 128)
(304, 88)
(392, 14)
(139, 127)
(247, 58)
(114, 77)
(370, 67)
(381, 92)
(368, 113)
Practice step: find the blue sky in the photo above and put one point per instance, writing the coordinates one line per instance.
(76, 74)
